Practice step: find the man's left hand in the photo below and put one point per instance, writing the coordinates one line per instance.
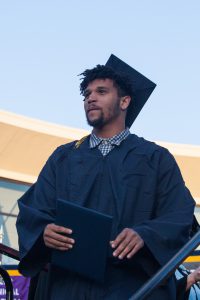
(127, 243)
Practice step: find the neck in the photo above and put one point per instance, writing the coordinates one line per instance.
(107, 132)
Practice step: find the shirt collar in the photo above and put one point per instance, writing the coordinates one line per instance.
(114, 140)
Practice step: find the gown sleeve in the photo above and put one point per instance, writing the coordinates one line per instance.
(170, 226)
(37, 209)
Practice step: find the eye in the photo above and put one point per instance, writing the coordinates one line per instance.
(102, 92)
(86, 95)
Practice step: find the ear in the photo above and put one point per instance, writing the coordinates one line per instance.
(124, 102)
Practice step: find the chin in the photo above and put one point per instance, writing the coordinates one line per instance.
(98, 123)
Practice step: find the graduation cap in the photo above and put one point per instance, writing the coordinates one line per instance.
(142, 87)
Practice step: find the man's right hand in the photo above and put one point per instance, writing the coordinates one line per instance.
(56, 237)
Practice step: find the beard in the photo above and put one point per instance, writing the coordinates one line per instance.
(98, 122)
(101, 120)
(105, 116)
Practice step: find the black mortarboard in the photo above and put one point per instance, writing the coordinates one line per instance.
(142, 87)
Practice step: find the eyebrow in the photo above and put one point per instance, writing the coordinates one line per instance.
(88, 91)
(102, 88)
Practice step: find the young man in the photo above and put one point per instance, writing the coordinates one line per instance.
(116, 173)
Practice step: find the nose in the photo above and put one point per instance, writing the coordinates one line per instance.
(92, 97)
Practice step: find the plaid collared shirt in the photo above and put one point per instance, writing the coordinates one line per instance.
(106, 145)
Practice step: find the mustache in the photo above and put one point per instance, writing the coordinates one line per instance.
(93, 107)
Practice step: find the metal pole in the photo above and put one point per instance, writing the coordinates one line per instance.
(9, 287)
(167, 269)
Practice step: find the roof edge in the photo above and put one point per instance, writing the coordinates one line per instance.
(16, 176)
(41, 126)
(57, 130)
(181, 149)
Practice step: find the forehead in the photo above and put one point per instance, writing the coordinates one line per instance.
(107, 83)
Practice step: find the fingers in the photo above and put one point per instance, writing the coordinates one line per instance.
(197, 274)
(51, 243)
(135, 249)
(127, 243)
(56, 237)
(120, 238)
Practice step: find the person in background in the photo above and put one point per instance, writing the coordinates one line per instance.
(187, 283)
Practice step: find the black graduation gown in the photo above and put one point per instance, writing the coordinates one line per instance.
(139, 184)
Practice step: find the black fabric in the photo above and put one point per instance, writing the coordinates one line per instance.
(32, 287)
(139, 184)
(181, 284)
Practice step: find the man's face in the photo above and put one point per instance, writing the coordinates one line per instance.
(102, 103)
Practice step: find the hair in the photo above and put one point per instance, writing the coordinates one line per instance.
(120, 81)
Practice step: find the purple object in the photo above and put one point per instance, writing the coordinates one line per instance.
(20, 288)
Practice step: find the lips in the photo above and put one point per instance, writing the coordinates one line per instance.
(92, 108)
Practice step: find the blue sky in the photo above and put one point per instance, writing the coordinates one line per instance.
(45, 44)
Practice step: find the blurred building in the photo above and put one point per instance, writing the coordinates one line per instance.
(25, 145)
